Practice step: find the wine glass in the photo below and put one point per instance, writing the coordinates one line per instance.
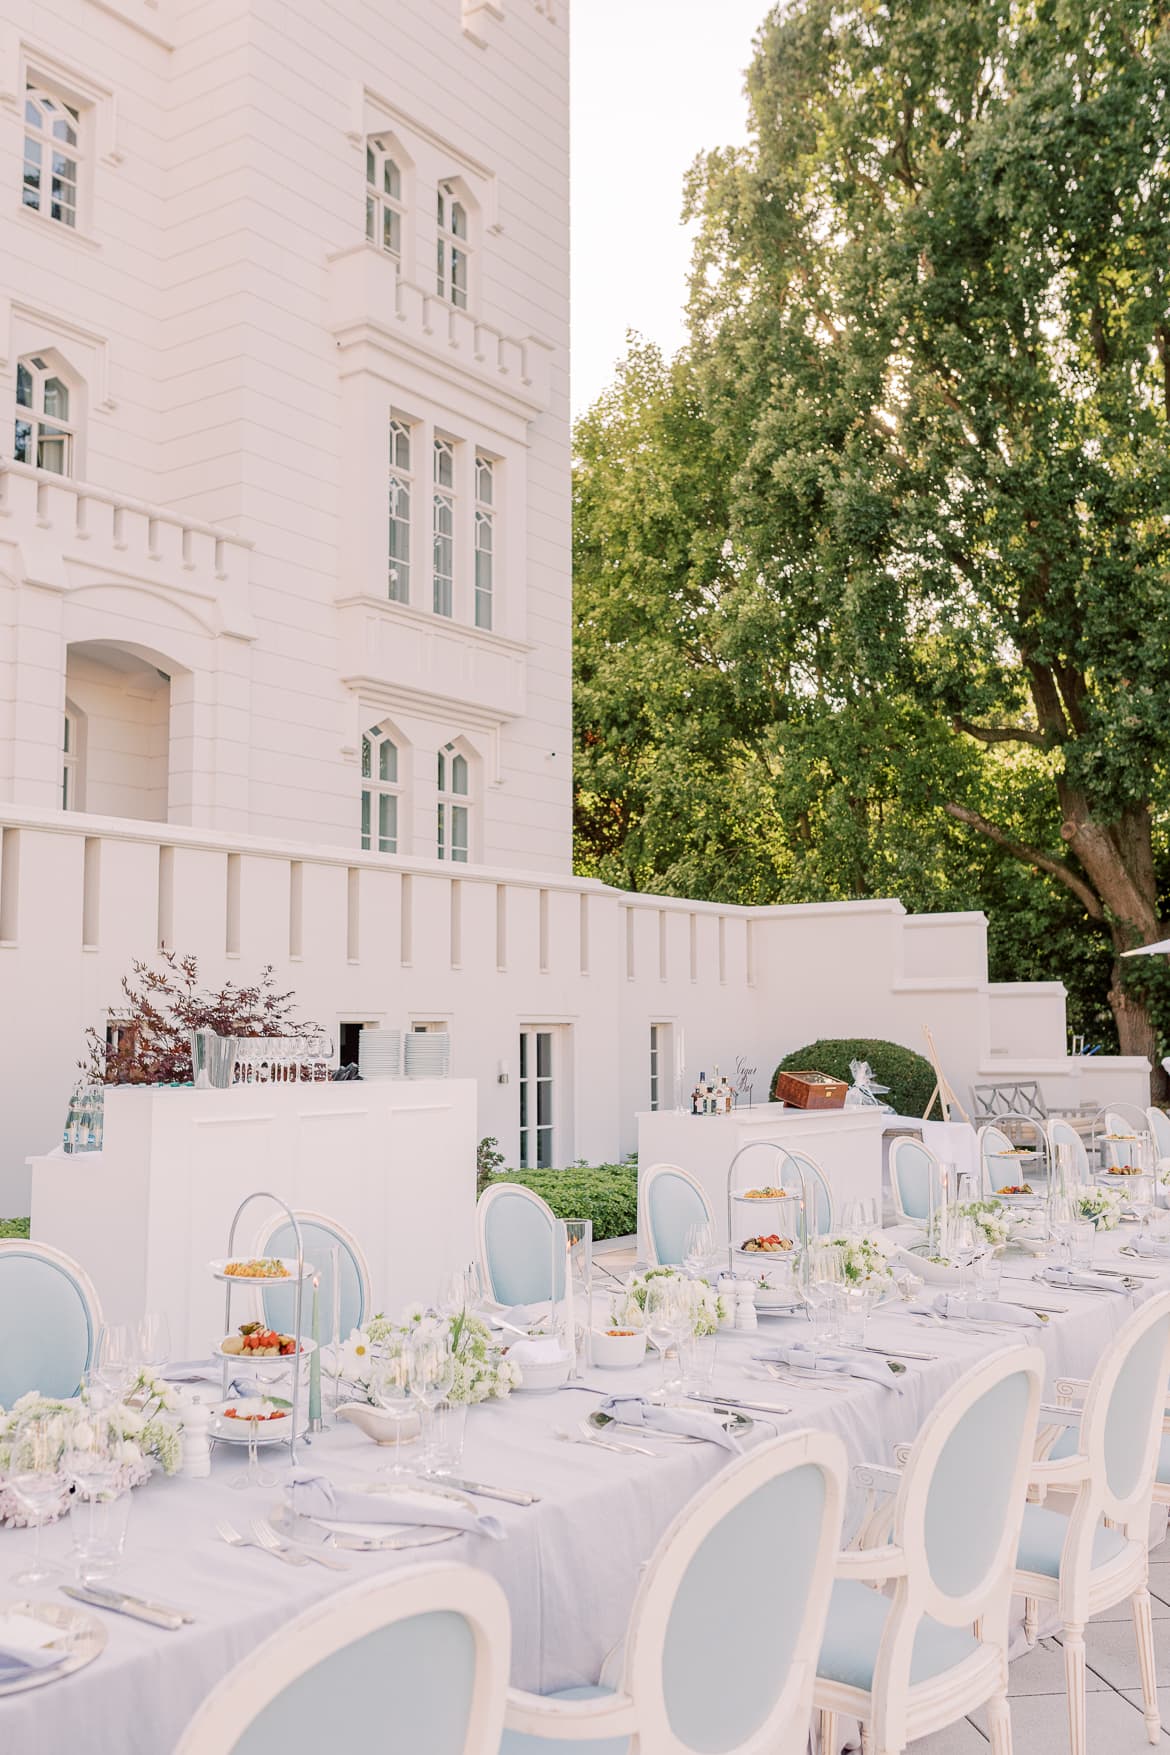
(859, 1217)
(965, 1247)
(698, 1249)
(432, 1378)
(392, 1390)
(826, 1282)
(154, 1342)
(35, 1480)
(661, 1321)
(117, 1359)
(91, 1463)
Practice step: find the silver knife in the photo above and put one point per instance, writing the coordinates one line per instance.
(728, 1402)
(138, 1611)
(505, 1493)
(114, 1597)
(889, 1352)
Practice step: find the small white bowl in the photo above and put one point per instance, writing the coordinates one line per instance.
(377, 1424)
(546, 1374)
(618, 1352)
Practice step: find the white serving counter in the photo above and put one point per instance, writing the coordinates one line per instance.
(393, 1160)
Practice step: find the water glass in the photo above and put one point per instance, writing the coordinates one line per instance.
(117, 1359)
(826, 1279)
(661, 1323)
(432, 1378)
(154, 1342)
(1081, 1240)
(36, 1482)
(392, 1390)
(448, 1430)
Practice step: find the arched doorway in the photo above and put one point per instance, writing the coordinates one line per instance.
(120, 767)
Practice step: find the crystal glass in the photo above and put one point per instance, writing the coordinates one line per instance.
(432, 1378)
(1062, 1220)
(392, 1389)
(699, 1250)
(661, 1320)
(92, 1466)
(578, 1287)
(35, 1480)
(859, 1217)
(154, 1342)
(854, 1302)
(256, 1473)
(117, 1359)
(1081, 1242)
(826, 1278)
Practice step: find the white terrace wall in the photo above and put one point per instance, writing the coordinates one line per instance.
(486, 951)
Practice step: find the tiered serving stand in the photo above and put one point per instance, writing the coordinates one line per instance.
(792, 1218)
(303, 1271)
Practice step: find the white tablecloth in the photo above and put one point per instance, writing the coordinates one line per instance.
(569, 1566)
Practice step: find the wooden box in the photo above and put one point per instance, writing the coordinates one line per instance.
(809, 1090)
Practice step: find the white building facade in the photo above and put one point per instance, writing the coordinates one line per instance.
(285, 597)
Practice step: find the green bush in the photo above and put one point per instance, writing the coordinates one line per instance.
(13, 1228)
(605, 1193)
(910, 1076)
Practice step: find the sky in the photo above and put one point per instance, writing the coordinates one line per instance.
(654, 82)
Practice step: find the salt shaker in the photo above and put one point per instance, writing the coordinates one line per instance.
(196, 1418)
(727, 1292)
(745, 1304)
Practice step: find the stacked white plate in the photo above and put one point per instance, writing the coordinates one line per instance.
(380, 1054)
(428, 1054)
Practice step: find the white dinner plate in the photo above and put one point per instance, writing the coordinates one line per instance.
(308, 1345)
(227, 1431)
(369, 1537)
(218, 1271)
(83, 1634)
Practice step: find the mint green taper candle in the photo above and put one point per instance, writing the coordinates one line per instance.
(315, 1362)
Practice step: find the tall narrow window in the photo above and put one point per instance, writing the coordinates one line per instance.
(485, 539)
(385, 214)
(69, 765)
(452, 263)
(444, 528)
(655, 1068)
(454, 805)
(400, 502)
(536, 1099)
(381, 790)
(52, 130)
(44, 434)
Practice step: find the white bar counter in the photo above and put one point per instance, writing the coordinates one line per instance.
(393, 1160)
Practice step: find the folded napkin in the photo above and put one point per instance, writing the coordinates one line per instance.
(24, 1646)
(192, 1371)
(314, 1495)
(1090, 1282)
(635, 1410)
(842, 1364)
(950, 1305)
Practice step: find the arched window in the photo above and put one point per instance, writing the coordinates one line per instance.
(385, 212)
(443, 528)
(453, 260)
(44, 433)
(454, 804)
(52, 130)
(485, 538)
(381, 790)
(401, 484)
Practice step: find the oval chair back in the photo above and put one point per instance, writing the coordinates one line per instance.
(1159, 1124)
(995, 1158)
(320, 1235)
(1121, 1428)
(914, 1172)
(820, 1191)
(671, 1202)
(49, 1318)
(1063, 1136)
(415, 1660)
(514, 1228)
(1122, 1119)
(758, 1542)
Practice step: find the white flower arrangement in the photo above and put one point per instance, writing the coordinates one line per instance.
(864, 1259)
(148, 1425)
(990, 1217)
(708, 1308)
(1099, 1205)
(482, 1372)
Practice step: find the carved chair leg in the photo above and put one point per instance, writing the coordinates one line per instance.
(1143, 1627)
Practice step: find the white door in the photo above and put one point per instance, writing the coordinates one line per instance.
(540, 1095)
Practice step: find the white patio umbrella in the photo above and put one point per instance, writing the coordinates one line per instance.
(1162, 947)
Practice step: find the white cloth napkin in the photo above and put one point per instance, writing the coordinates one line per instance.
(525, 1315)
(950, 1305)
(1061, 1276)
(842, 1364)
(314, 1495)
(24, 1643)
(635, 1410)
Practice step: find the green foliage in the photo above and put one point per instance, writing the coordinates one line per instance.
(605, 1193)
(14, 1228)
(488, 1160)
(910, 1076)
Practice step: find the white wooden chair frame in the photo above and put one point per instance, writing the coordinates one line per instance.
(483, 1206)
(638, 1709)
(899, 1144)
(645, 1179)
(1063, 1133)
(304, 1217)
(1082, 1590)
(892, 1711)
(329, 1626)
(1153, 1115)
(987, 1185)
(45, 1252)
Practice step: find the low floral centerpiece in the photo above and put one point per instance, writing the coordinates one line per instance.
(1101, 1206)
(864, 1260)
(482, 1372)
(991, 1219)
(708, 1308)
(148, 1424)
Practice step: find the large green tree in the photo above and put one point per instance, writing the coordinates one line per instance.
(931, 339)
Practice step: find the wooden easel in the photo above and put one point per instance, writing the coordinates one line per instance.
(944, 1091)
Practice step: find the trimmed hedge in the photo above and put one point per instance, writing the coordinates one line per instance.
(605, 1193)
(14, 1227)
(910, 1076)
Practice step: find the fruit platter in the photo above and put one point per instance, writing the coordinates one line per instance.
(253, 1340)
(234, 1420)
(771, 1244)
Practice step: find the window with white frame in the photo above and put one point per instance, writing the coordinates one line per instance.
(69, 762)
(381, 790)
(485, 538)
(453, 259)
(454, 824)
(52, 158)
(401, 499)
(44, 434)
(444, 528)
(537, 1073)
(656, 1034)
(385, 212)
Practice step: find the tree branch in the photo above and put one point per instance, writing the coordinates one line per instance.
(1002, 733)
(1029, 855)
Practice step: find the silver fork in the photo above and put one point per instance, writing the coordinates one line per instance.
(802, 1380)
(234, 1539)
(275, 1544)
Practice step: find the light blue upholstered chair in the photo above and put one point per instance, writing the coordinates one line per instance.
(912, 1662)
(671, 1202)
(722, 1640)
(823, 1218)
(515, 1234)
(49, 1320)
(1093, 1555)
(997, 1167)
(913, 1171)
(320, 1235)
(1062, 1135)
(414, 1662)
(1160, 1130)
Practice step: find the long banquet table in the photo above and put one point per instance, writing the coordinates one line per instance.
(569, 1565)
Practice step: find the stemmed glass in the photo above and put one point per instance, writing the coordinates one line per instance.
(117, 1359)
(154, 1343)
(254, 1475)
(432, 1378)
(91, 1464)
(35, 1479)
(826, 1281)
(392, 1387)
(661, 1323)
(699, 1250)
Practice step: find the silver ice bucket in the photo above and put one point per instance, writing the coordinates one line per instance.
(213, 1060)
